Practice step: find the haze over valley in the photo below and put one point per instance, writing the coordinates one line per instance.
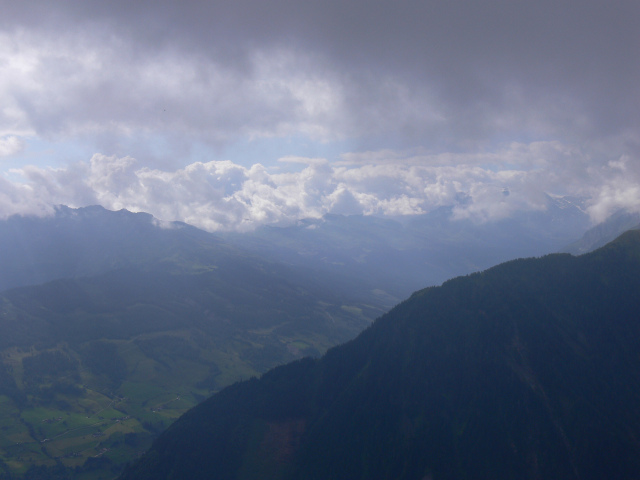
(406, 228)
(116, 323)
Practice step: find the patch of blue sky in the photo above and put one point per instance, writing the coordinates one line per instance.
(267, 151)
(45, 154)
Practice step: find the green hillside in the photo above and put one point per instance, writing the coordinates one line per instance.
(93, 368)
(527, 370)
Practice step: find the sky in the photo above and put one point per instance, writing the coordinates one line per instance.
(230, 115)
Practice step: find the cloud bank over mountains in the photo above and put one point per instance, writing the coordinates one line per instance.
(419, 103)
(222, 195)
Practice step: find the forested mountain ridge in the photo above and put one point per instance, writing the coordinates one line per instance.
(527, 370)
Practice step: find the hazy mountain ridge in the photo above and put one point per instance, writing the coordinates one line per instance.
(403, 254)
(91, 241)
(394, 256)
(527, 370)
(605, 232)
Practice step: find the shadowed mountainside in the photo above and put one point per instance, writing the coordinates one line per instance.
(529, 370)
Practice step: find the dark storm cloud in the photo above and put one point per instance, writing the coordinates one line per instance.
(453, 70)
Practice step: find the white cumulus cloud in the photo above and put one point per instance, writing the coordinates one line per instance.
(222, 195)
(10, 145)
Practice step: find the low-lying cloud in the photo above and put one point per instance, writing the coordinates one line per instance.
(222, 195)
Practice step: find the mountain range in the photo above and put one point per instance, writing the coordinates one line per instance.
(528, 370)
(112, 315)
(400, 255)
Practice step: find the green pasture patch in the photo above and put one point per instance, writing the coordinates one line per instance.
(25, 455)
(168, 404)
(173, 409)
(77, 441)
(92, 402)
(148, 417)
(12, 430)
(193, 397)
(267, 330)
(75, 421)
(139, 393)
(72, 450)
(352, 310)
(58, 428)
(312, 340)
(7, 407)
(120, 427)
(97, 395)
(120, 454)
(37, 415)
(19, 434)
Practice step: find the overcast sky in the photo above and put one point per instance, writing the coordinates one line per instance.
(232, 114)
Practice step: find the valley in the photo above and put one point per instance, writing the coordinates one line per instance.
(319, 240)
(93, 367)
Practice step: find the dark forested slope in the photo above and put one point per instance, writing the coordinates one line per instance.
(527, 370)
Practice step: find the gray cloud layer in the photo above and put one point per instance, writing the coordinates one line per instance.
(454, 72)
(442, 78)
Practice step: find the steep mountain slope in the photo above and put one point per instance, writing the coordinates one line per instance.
(529, 370)
(403, 254)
